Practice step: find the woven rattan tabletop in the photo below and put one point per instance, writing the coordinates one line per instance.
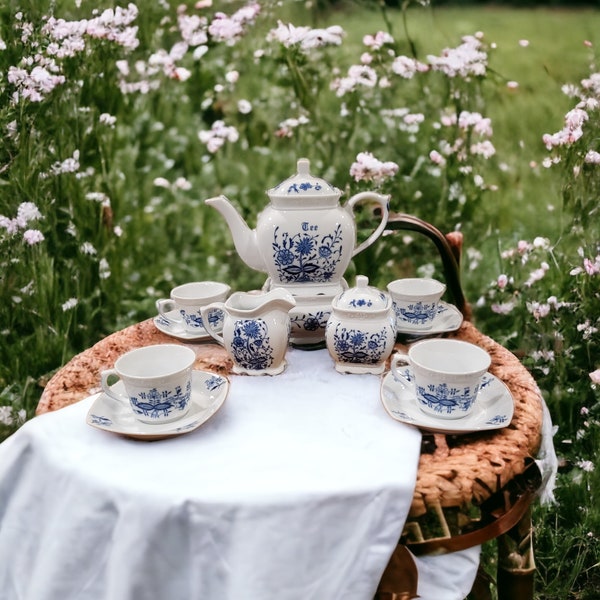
(456, 472)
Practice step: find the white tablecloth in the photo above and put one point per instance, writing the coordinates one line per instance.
(297, 489)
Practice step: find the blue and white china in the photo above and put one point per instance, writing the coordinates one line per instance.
(157, 382)
(416, 301)
(167, 325)
(304, 238)
(256, 330)
(360, 332)
(493, 409)
(181, 311)
(208, 393)
(309, 317)
(447, 318)
(447, 375)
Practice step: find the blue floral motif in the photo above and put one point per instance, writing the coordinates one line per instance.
(356, 346)
(214, 383)
(361, 302)
(497, 420)
(444, 398)
(101, 420)
(215, 319)
(416, 314)
(402, 415)
(305, 257)
(155, 404)
(305, 186)
(251, 345)
(310, 321)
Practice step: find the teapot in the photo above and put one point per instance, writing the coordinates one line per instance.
(303, 237)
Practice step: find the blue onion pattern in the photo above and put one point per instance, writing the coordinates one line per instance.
(214, 383)
(444, 398)
(155, 404)
(194, 320)
(307, 257)
(356, 346)
(310, 321)
(251, 345)
(418, 313)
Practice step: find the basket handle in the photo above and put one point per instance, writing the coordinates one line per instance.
(449, 246)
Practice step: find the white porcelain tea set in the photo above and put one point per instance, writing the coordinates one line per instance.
(304, 240)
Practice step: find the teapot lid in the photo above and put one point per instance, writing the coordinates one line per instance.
(363, 297)
(302, 187)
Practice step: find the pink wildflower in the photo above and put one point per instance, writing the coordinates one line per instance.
(225, 29)
(358, 75)
(193, 29)
(286, 128)
(595, 376)
(485, 149)
(406, 67)
(375, 42)
(467, 59)
(591, 268)
(33, 236)
(304, 37)
(218, 134)
(27, 212)
(504, 308)
(437, 158)
(369, 168)
(502, 281)
(592, 157)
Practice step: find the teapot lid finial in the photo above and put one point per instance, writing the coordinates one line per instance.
(303, 166)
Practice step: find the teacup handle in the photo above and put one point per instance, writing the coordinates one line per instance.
(397, 360)
(383, 201)
(106, 388)
(205, 312)
(164, 306)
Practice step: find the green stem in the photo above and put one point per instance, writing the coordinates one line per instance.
(413, 48)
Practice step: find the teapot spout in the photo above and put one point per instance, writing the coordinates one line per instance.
(244, 238)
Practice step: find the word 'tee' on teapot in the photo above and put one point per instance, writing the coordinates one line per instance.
(304, 235)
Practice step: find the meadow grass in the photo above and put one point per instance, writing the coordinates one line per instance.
(109, 168)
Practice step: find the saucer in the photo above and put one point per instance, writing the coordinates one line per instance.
(208, 394)
(493, 408)
(177, 331)
(448, 318)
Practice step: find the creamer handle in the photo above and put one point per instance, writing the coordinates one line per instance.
(205, 312)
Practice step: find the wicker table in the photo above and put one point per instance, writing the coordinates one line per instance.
(470, 488)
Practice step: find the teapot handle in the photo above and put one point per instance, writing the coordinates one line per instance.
(383, 201)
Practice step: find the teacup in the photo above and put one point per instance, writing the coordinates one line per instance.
(447, 375)
(187, 300)
(157, 381)
(416, 301)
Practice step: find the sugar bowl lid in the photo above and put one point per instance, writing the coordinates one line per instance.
(303, 187)
(362, 298)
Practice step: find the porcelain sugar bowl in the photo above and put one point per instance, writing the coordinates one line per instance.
(360, 333)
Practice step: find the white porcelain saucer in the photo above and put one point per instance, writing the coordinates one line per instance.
(179, 332)
(208, 394)
(493, 409)
(448, 318)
